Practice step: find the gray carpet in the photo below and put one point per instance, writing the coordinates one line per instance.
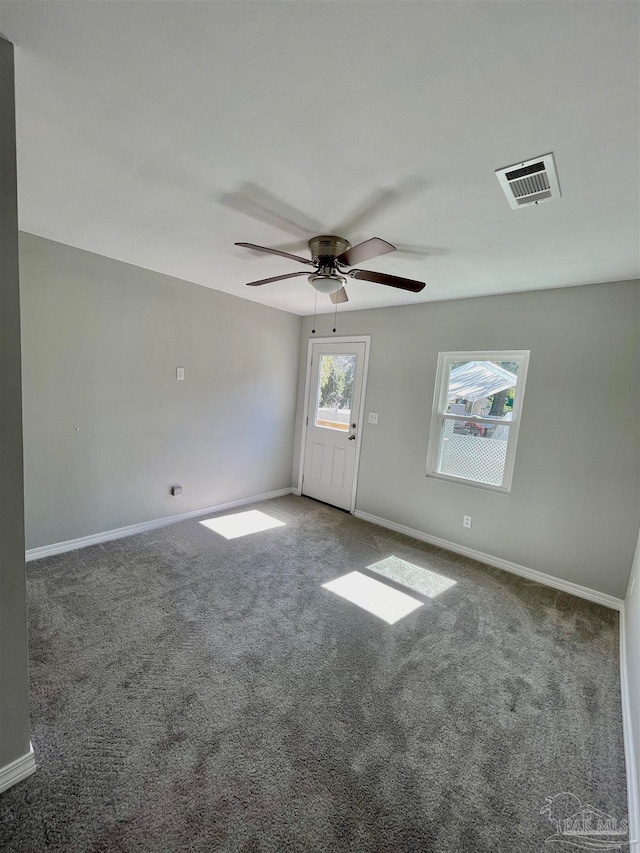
(194, 693)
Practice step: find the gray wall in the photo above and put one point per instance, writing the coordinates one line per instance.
(108, 429)
(14, 680)
(573, 508)
(632, 645)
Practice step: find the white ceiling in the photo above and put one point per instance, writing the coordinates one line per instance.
(160, 133)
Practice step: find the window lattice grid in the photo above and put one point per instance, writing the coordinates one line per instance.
(471, 457)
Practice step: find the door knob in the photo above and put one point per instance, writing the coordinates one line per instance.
(352, 438)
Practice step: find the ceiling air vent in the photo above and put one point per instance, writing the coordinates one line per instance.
(530, 182)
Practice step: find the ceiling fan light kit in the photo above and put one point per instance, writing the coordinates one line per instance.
(331, 255)
(326, 282)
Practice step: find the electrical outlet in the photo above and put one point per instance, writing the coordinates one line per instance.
(180, 373)
(466, 521)
(373, 417)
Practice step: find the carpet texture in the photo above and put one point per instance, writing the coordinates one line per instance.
(194, 693)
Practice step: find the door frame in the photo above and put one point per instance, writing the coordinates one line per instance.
(347, 339)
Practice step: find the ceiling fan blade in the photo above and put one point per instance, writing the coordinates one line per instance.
(276, 278)
(339, 296)
(365, 251)
(391, 280)
(276, 252)
(298, 246)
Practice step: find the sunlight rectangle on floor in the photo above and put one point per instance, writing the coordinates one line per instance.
(414, 577)
(242, 523)
(374, 596)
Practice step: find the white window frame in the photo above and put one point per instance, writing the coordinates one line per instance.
(439, 414)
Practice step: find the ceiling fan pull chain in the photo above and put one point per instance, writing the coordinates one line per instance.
(335, 315)
(315, 305)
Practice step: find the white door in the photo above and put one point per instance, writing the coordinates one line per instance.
(332, 424)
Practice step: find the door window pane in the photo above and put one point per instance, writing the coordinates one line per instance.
(335, 390)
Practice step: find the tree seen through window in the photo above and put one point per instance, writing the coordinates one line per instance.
(336, 381)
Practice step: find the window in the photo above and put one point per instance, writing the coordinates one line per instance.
(476, 416)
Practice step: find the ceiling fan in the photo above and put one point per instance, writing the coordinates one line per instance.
(331, 255)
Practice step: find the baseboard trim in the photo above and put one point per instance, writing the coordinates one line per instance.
(497, 562)
(629, 751)
(17, 770)
(142, 527)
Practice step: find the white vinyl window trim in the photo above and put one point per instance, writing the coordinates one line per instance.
(440, 415)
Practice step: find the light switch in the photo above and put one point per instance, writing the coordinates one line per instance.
(180, 373)
(373, 417)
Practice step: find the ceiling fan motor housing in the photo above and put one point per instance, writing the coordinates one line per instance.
(327, 247)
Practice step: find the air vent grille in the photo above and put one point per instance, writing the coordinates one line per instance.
(530, 185)
(530, 182)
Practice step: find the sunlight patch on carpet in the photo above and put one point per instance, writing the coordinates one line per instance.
(374, 596)
(242, 523)
(414, 577)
